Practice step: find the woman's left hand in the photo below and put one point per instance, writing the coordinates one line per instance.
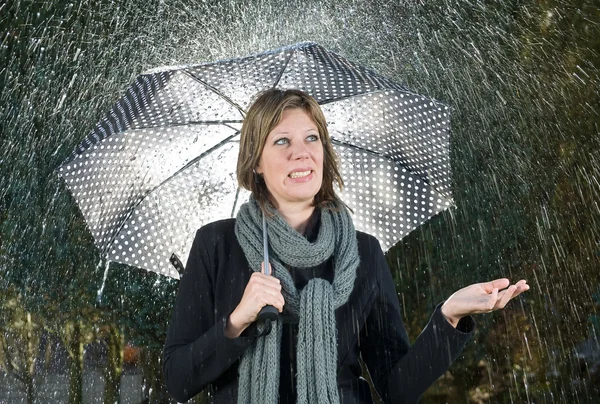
(482, 297)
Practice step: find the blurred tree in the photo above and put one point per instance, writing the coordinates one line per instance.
(140, 302)
(113, 337)
(20, 333)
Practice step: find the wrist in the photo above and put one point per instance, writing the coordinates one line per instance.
(449, 316)
(234, 326)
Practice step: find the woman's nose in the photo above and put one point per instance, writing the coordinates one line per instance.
(299, 151)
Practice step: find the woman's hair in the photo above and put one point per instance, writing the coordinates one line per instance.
(262, 117)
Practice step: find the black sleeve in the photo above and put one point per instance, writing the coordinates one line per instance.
(402, 373)
(196, 350)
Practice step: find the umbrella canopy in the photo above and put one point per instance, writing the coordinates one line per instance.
(162, 162)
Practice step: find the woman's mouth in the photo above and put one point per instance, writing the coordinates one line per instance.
(300, 174)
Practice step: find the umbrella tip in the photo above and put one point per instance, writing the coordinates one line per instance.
(177, 263)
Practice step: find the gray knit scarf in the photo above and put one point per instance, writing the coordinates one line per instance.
(313, 307)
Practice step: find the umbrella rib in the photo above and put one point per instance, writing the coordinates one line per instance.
(377, 91)
(175, 125)
(382, 155)
(345, 97)
(196, 159)
(237, 194)
(225, 122)
(216, 91)
(191, 162)
(118, 231)
(362, 149)
(287, 62)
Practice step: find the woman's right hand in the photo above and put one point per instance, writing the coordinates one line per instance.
(261, 290)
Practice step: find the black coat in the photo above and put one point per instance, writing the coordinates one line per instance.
(197, 354)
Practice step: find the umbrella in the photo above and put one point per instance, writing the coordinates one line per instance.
(161, 163)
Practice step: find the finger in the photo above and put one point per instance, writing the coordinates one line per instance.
(276, 300)
(265, 283)
(280, 304)
(262, 278)
(495, 284)
(520, 289)
(259, 281)
(522, 283)
(505, 297)
(492, 300)
(261, 295)
(262, 268)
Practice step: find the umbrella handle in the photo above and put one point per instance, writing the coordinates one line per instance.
(267, 312)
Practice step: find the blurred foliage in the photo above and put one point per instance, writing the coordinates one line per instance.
(20, 333)
(522, 79)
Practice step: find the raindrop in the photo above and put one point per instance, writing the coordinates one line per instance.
(101, 290)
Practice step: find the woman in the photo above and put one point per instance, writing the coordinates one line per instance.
(330, 283)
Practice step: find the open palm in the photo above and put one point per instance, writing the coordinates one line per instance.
(482, 297)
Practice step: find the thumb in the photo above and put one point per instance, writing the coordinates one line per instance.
(262, 268)
(495, 284)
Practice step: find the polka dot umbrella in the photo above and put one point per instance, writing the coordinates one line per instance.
(162, 161)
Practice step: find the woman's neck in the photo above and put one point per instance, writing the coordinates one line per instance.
(297, 215)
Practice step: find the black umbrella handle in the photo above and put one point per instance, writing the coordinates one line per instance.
(268, 313)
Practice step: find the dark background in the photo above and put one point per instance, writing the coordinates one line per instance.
(522, 79)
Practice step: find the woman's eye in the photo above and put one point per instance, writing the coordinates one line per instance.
(282, 140)
(313, 138)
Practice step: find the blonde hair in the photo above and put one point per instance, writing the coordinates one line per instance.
(262, 117)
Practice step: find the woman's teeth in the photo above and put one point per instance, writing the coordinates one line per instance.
(300, 174)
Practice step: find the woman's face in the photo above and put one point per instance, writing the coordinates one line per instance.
(292, 159)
